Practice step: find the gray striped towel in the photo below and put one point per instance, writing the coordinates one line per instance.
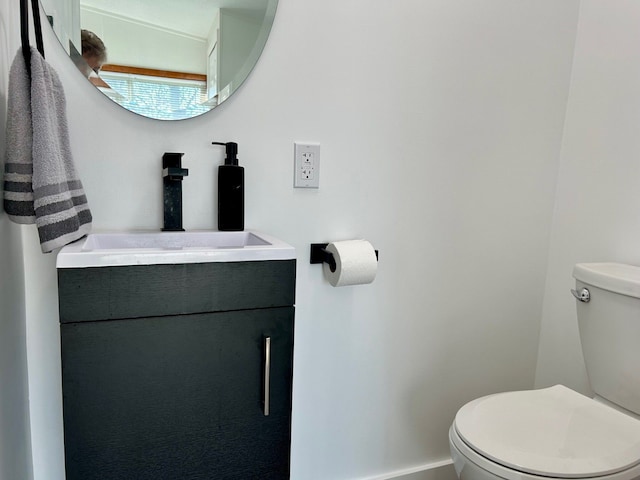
(41, 184)
(18, 168)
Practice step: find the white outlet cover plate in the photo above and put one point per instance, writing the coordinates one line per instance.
(306, 165)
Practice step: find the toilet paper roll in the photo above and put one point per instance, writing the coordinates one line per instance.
(356, 263)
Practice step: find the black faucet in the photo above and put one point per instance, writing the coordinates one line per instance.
(172, 175)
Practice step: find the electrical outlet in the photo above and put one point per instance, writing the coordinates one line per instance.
(306, 165)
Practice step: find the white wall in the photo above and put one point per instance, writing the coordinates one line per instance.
(440, 123)
(15, 448)
(597, 212)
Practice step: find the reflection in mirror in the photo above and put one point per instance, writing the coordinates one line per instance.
(166, 59)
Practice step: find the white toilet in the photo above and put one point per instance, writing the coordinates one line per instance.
(556, 433)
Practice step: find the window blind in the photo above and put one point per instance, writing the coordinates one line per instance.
(158, 97)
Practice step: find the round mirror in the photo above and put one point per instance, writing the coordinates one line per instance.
(165, 59)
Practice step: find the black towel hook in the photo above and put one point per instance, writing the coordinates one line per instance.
(24, 31)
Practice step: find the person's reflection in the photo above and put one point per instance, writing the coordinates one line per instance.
(94, 53)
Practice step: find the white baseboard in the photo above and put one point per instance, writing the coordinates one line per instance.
(442, 470)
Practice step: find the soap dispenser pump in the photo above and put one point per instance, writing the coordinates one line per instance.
(230, 191)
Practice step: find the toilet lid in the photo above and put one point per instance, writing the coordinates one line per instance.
(554, 432)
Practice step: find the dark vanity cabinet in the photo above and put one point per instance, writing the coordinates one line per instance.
(177, 372)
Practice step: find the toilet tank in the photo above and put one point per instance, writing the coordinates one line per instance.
(609, 325)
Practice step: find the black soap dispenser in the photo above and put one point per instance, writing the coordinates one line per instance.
(230, 191)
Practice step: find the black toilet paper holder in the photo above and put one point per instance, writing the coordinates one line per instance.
(319, 254)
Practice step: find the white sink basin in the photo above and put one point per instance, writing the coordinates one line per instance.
(152, 247)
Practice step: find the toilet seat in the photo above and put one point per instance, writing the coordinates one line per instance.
(477, 467)
(553, 432)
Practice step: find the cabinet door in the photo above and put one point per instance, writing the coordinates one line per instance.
(178, 397)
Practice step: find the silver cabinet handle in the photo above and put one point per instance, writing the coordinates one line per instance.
(582, 296)
(267, 374)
